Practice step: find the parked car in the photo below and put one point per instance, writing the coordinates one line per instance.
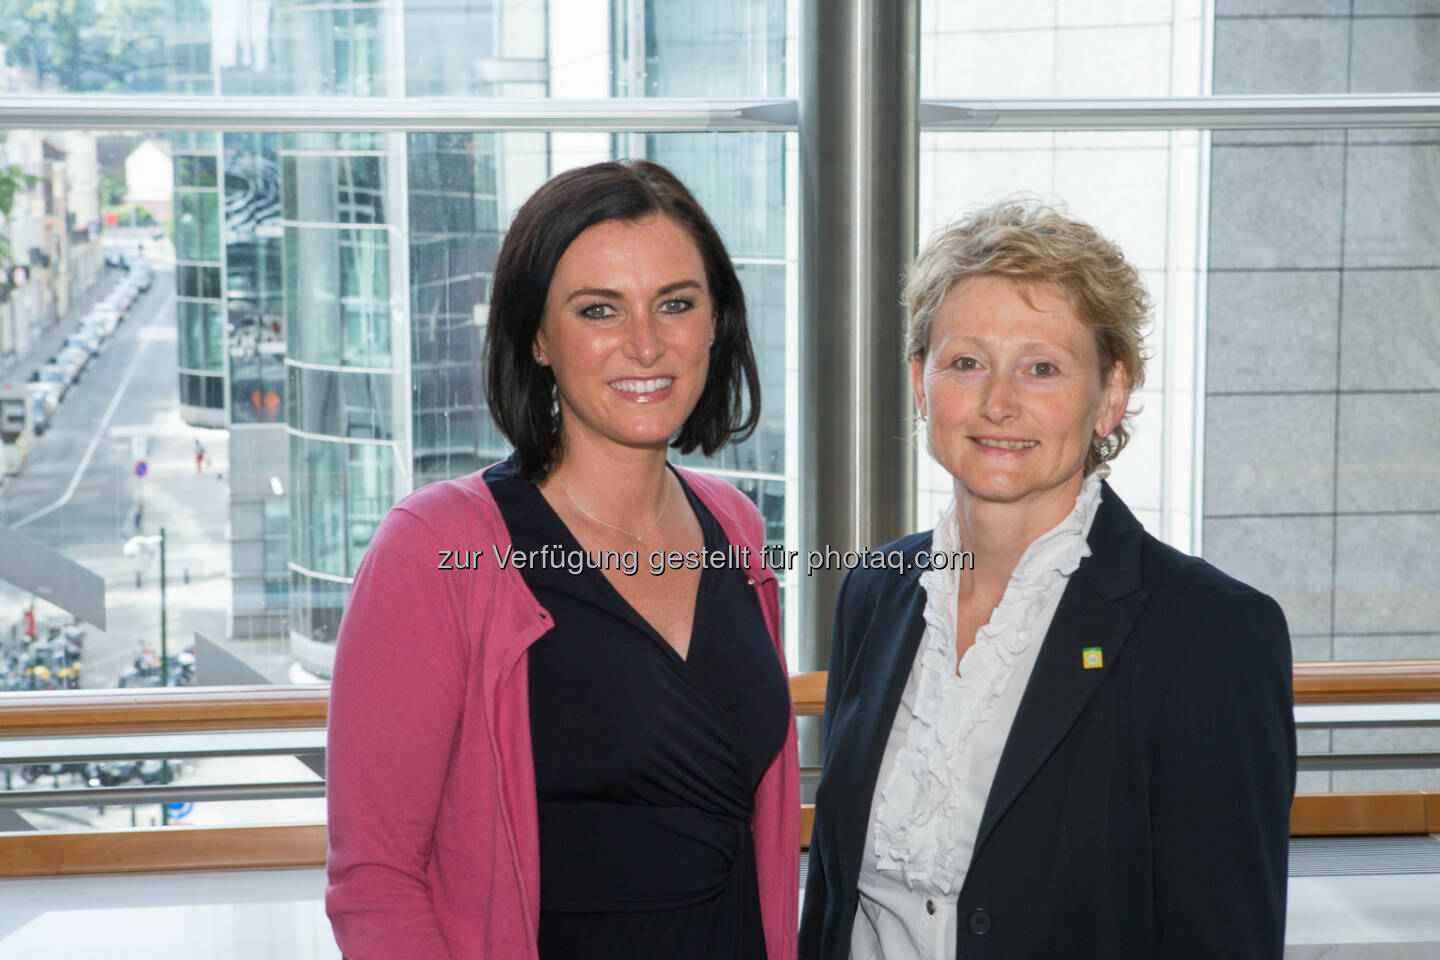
(78, 356)
(50, 393)
(95, 329)
(110, 315)
(106, 322)
(56, 373)
(87, 338)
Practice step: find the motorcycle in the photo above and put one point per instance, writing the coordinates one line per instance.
(145, 670)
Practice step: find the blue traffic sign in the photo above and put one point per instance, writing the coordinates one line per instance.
(140, 468)
(178, 810)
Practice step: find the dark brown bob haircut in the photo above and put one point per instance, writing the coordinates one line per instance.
(521, 392)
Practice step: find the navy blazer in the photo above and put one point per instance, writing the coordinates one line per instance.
(1140, 809)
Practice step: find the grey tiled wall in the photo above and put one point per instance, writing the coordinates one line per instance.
(1322, 372)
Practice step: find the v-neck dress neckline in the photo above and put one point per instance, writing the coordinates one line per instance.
(598, 581)
(646, 762)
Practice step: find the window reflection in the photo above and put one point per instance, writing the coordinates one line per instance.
(331, 289)
(197, 225)
(330, 49)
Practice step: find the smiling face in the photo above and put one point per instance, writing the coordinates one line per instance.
(626, 329)
(1012, 393)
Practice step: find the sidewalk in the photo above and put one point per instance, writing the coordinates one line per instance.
(48, 343)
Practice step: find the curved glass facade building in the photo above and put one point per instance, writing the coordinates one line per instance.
(199, 282)
(343, 265)
(198, 213)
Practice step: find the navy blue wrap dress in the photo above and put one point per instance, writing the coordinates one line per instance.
(646, 762)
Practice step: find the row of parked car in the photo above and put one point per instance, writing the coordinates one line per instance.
(49, 384)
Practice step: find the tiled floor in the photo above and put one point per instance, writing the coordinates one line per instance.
(231, 915)
(279, 915)
(1385, 917)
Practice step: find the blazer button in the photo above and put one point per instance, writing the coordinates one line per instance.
(930, 907)
(979, 921)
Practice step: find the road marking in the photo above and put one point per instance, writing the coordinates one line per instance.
(142, 343)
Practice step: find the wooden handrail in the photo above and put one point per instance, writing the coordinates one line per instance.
(1367, 681)
(66, 852)
(1386, 813)
(204, 709)
(1316, 682)
(75, 713)
(1382, 814)
(41, 853)
(808, 692)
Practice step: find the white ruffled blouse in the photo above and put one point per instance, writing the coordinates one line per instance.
(945, 745)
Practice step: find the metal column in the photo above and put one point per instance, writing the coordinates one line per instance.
(859, 145)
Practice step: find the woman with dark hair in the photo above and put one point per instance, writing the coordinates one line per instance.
(560, 723)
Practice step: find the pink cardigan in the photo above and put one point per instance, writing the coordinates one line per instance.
(434, 847)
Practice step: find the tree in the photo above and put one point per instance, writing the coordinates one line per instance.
(112, 186)
(13, 180)
(82, 46)
(132, 35)
(49, 37)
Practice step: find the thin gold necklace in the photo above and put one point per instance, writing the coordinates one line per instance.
(637, 537)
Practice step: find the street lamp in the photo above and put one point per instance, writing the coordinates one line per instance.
(132, 547)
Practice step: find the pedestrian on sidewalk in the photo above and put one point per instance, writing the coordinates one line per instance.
(199, 456)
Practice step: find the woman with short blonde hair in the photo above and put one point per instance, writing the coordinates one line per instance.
(1083, 746)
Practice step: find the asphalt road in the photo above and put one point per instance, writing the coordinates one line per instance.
(77, 492)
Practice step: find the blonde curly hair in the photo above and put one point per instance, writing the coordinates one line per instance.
(1033, 243)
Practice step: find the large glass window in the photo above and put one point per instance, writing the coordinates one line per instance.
(370, 493)
(332, 48)
(365, 297)
(197, 282)
(348, 189)
(197, 225)
(328, 292)
(202, 335)
(324, 465)
(194, 171)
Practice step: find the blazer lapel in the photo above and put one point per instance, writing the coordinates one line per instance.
(879, 677)
(1097, 609)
